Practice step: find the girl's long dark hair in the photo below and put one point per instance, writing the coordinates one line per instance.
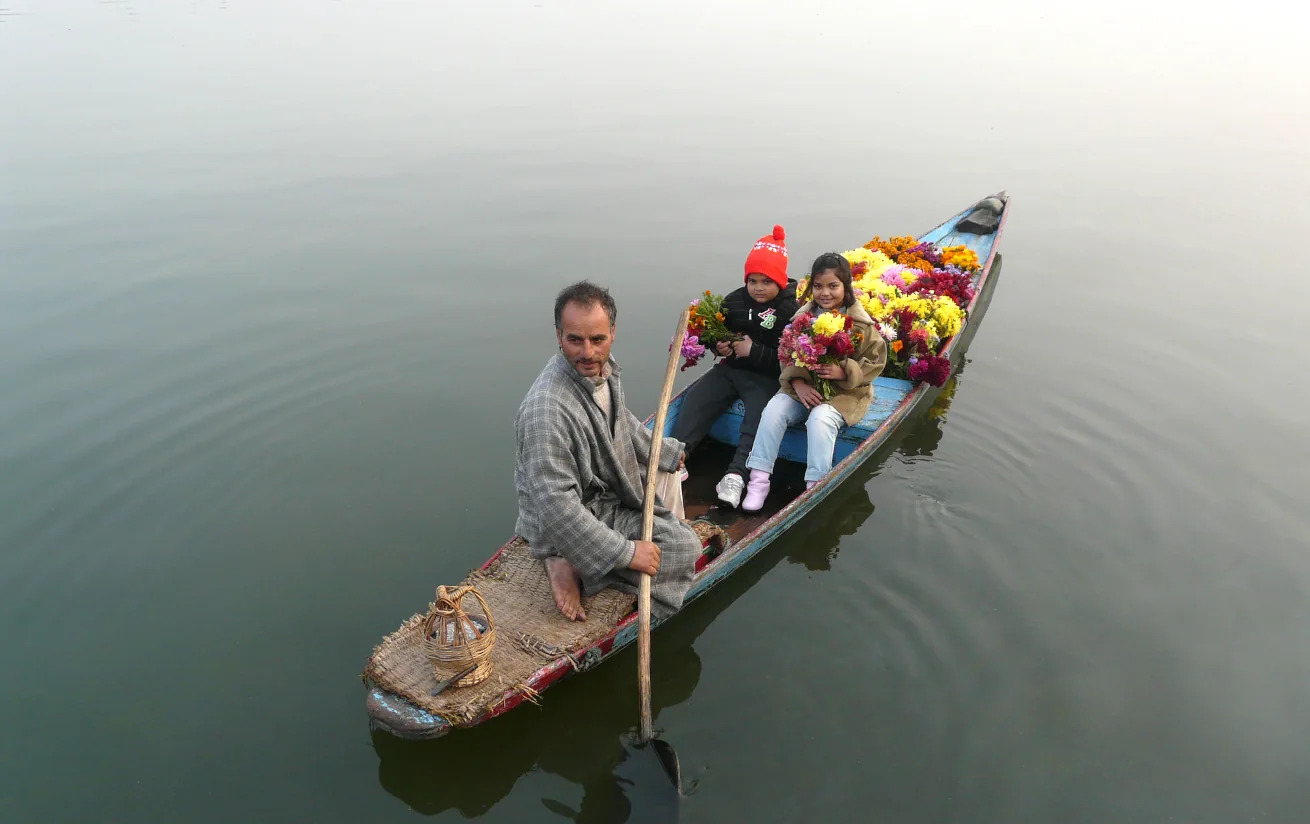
(824, 262)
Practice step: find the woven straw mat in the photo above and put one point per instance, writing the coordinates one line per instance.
(518, 592)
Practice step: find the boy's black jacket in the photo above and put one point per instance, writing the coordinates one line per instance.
(764, 323)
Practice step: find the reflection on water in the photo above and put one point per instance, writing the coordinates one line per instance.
(585, 736)
(922, 441)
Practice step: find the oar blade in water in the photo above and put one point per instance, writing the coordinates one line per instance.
(669, 761)
(648, 784)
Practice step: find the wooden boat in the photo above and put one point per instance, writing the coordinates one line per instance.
(539, 647)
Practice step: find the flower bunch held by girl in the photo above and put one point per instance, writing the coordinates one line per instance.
(811, 342)
(828, 292)
(755, 315)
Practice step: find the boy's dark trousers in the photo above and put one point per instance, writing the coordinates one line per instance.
(711, 396)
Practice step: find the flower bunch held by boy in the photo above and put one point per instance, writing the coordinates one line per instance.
(705, 327)
(810, 341)
(915, 293)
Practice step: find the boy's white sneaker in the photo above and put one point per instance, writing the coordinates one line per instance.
(729, 489)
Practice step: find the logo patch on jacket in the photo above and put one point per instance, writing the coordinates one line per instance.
(767, 318)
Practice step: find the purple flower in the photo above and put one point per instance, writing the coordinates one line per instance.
(928, 252)
(691, 350)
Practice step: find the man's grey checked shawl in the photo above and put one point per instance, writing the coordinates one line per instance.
(580, 488)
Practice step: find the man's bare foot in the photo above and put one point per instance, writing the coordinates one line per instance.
(564, 583)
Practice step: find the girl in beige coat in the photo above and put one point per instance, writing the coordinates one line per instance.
(829, 290)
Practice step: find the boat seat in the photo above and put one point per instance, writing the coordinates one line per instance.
(887, 395)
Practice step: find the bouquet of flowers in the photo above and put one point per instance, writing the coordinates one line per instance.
(810, 341)
(705, 328)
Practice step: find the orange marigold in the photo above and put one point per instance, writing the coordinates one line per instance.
(893, 246)
(961, 256)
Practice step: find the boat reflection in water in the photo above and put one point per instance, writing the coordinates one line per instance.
(583, 731)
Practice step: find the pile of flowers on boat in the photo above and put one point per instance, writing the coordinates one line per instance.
(915, 294)
(810, 341)
(705, 328)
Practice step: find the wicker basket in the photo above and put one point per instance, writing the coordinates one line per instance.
(455, 640)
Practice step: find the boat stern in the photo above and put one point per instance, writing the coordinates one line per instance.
(402, 719)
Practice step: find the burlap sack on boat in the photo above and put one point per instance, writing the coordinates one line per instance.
(532, 633)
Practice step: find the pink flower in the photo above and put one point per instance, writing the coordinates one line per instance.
(894, 276)
(810, 349)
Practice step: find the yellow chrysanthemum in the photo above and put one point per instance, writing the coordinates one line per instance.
(876, 308)
(860, 256)
(800, 288)
(875, 263)
(829, 323)
(947, 316)
(921, 306)
(875, 286)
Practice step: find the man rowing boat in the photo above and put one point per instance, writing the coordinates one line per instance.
(580, 474)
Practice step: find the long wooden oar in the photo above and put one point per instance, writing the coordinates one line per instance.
(668, 758)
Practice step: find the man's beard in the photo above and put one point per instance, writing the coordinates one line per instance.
(590, 369)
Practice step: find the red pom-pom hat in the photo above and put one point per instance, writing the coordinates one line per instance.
(769, 258)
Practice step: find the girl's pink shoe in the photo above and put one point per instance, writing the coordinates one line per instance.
(810, 485)
(757, 489)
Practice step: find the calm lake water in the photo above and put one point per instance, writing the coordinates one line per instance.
(274, 278)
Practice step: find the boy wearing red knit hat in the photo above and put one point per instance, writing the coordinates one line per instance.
(758, 311)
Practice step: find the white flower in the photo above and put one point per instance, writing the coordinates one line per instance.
(887, 331)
